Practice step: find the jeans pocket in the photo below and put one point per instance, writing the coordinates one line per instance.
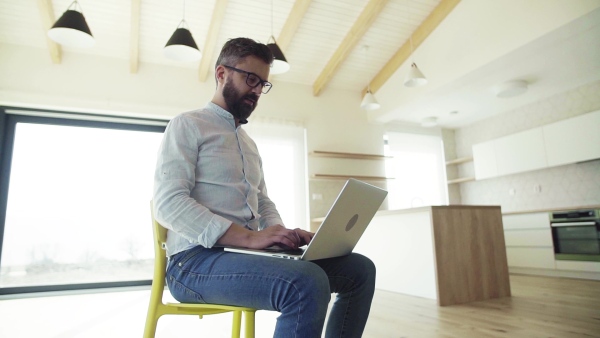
(184, 257)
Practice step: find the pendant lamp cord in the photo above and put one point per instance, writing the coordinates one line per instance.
(182, 23)
(366, 47)
(412, 56)
(272, 35)
(76, 4)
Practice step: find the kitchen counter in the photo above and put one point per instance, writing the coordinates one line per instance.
(596, 206)
(454, 254)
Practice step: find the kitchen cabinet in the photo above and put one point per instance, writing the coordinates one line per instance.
(520, 152)
(530, 249)
(528, 239)
(569, 141)
(539, 258)
(578, 266)
(455, 254)
(573, 140)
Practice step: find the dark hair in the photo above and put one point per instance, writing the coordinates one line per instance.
(236, 49)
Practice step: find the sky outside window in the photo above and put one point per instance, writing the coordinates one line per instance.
(78, 206)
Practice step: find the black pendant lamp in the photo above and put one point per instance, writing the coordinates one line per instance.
(181, 46)
(71, 29)
(280, 64)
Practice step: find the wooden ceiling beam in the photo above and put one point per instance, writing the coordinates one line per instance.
(292, 23)
(360, 27)
(134, 43)
(419, 35)
(47, 17)
(211, 39)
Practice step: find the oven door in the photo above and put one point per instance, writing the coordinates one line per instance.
(578, 241)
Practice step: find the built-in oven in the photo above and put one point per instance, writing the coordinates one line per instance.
(576, 234)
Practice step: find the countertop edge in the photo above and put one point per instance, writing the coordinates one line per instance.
(461, 206)
(433, 207)
(533, 211)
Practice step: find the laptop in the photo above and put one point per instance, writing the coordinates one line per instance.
(341, 229)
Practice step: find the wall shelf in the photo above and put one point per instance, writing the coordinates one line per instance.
(461, 180)
(356, 156)
(345, 177)
(460, 160)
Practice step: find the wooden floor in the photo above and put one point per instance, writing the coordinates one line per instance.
(539, 307)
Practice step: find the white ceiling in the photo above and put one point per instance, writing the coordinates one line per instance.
(481, 43)
(554, 50)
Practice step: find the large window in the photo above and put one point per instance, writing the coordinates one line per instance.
(77, 204)
(418, 168)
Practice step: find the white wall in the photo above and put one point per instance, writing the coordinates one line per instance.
(84, 83)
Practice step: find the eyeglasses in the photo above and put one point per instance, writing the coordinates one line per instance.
(253, 80)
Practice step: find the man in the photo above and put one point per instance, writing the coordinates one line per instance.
(210, 192)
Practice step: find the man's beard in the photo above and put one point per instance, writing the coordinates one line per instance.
(236, 104)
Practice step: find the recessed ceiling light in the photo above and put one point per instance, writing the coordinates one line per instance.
(510, 88)
(430, 121)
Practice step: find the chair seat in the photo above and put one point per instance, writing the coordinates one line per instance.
(215, 307)
(157, 308)
(201, 309)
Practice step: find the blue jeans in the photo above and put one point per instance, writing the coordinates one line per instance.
(299, 290)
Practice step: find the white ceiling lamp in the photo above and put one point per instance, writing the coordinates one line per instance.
(510, 89)
(181, 46)
(280, 64)
(429, 122)
(415, 77)
(71, 29)
(369, 102)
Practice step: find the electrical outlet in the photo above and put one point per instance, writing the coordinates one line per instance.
(537, 188)
(317, 197)
(512, 192)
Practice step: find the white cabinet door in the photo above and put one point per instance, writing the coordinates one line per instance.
(578, 266)
(541, 258)
(528, 238)
(573, 140)
(520, 152)
(538, 220)
(484, 160)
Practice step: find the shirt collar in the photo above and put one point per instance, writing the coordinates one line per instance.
(219, 111)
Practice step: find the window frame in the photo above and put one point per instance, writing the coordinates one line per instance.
(9, 118)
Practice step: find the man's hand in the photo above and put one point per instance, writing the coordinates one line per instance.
(305, 236)
(237, 235)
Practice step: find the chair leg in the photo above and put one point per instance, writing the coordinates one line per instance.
(249, 321)
(150, 328)
(237, 324)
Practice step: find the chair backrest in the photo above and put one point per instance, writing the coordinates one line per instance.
(157, 308)
(160, 255)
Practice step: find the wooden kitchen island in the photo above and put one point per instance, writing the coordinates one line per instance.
(455, 254)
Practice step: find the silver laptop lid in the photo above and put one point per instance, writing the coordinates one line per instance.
(346, 221)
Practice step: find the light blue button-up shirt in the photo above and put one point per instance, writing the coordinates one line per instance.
(208, 176)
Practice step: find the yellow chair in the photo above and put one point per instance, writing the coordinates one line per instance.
(157, 308)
